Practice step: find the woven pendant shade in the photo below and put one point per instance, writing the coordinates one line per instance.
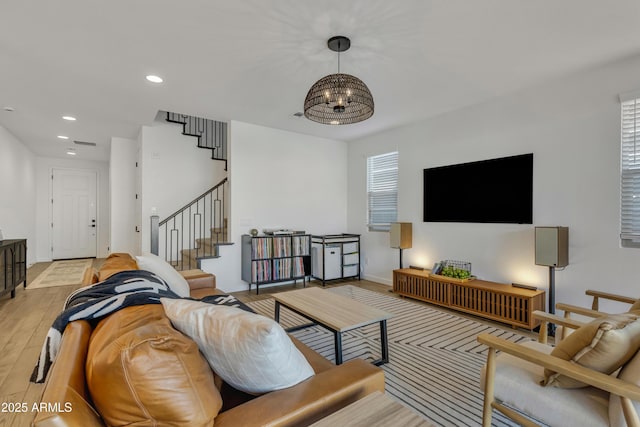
(338, 99)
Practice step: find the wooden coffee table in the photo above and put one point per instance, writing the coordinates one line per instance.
(335, 313)
(374, 410)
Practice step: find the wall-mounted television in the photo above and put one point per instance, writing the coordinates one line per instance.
(488, 191)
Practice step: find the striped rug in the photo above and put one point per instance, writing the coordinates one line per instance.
(435, 360)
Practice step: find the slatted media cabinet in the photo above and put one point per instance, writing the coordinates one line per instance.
(495, 301)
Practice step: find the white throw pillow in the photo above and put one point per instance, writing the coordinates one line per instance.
(250, 352)
(153, 263)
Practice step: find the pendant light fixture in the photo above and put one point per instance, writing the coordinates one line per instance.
(338, 99)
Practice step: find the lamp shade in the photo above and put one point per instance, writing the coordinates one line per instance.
(400, 235)
(338, 99)
(552, 246)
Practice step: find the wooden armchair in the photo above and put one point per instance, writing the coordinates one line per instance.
(512, 379)
(594, 312)
(595, 305)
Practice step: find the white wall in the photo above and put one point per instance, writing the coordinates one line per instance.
(573, 128)
(123, 176)
(280, 179)
(17, 192)
(44, 168)
(174, 171)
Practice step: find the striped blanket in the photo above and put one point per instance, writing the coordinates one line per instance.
(124, 289)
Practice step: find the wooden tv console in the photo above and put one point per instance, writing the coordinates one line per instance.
(495, 301)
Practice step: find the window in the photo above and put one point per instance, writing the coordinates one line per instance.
(630, 171)
(382, 191)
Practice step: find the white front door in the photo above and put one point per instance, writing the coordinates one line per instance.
(74, 217)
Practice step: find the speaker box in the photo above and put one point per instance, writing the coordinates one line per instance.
(552, 246)
(400, 235)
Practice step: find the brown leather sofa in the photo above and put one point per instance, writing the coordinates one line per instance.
(331, 388)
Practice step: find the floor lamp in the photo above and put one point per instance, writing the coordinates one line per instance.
(552, 250)
(400, 236)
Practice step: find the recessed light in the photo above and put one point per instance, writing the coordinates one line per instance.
(154, 79)
(69, 118)
(63, 137)
(71, 153)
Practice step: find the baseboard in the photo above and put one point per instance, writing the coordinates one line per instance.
(381, 280)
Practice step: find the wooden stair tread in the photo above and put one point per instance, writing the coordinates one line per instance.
(212, 241)
(198, 254)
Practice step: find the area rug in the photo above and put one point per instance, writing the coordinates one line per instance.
(61, 273)
(435, 360)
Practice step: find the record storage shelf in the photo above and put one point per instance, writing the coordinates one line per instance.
(275, 258)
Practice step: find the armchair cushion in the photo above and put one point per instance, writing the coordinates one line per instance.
(604, 345)
(517, 385)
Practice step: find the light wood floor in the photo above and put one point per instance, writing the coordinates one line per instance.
(25, 320)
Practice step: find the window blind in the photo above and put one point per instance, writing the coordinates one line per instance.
(382, 191)
(630, 173)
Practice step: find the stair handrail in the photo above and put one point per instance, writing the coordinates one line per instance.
(177, 221)
(193, 202)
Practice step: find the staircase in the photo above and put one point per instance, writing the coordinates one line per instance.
(208, 247)
(211, 134)
(197, 230)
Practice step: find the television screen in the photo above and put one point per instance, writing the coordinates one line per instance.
(489, 191)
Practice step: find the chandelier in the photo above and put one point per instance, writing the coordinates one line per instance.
(338, 99)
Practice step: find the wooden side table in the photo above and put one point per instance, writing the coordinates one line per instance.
(375, 410)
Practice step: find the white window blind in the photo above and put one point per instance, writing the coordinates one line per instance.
(630, 173)
(382, 191)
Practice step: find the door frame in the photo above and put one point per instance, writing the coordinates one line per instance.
(98, 216)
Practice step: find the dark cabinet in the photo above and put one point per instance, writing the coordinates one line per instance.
(13, 265)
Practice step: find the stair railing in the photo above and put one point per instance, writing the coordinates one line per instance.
(211, 134)
(193, 232)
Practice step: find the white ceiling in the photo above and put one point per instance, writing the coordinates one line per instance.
(254, 60)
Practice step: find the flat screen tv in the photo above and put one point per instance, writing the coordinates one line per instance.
(488, 191)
